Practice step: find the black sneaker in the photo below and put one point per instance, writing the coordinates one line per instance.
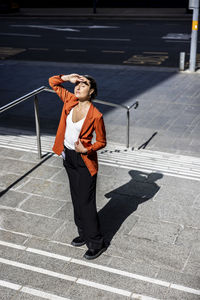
(94, 253)
(78, 241)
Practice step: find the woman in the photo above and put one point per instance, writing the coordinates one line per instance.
(79, 119)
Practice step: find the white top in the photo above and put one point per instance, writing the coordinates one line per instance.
(72, 131)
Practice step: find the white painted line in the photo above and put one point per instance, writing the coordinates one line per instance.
(15, 246)
(52, 27)
(66, 277)
(122, 273)
(104, 287)
(144, 169)
(185, 289)
(136, 296)
(10, 285)
(42, 294)
(49, 254)
(91, 265)
(37, 269)
(30, 291)
(20, 34)
(97, 39)
(73, 26)
(177, 36)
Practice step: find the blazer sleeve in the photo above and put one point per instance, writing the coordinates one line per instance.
(55, 84)
(100, 131)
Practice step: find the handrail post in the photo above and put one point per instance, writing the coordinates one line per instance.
(37, 126)
(127, 128)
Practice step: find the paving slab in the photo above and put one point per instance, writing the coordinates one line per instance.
(149, 252)
(181, 278)
(25, 296)
(7, 179)
(13, 165)
(59, 191)
(192, 266)
(7, 293)
(174, 295)
(189, 236)
(42, 205)
(13, 198)
(35, 280)
(158, 231)
(85, 292)
(38, 225)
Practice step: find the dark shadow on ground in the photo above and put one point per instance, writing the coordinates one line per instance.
(110, 81)
(45, 156)
(145, 144)
(125, 199)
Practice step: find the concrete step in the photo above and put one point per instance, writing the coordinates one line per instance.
(113, 155)
(51, 270)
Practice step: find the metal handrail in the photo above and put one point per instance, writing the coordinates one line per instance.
(37, 123)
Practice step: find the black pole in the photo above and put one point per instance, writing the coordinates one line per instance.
(94, 6)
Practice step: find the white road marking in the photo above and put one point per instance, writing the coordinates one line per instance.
(30, 291)
(145, 169)
(70, 278)
(20, 34)
(52, 27)
(42, 294)
(185, 289)
(15, 246)
(37, 269)
(91, 265)
(96, 39)
(68, 26)
(136, 296)
(122, 273)
(177, 36)
(49, 254)
(101, 27)
(10, 285)
(104, 287)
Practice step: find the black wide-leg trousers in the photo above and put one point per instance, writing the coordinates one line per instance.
(83, 194)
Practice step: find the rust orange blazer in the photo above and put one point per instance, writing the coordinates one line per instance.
(93, 122)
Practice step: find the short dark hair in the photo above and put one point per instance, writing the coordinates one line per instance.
(93, 85)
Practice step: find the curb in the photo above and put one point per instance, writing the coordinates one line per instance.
(99, 16)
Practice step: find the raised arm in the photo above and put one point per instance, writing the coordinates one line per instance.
(55, 84)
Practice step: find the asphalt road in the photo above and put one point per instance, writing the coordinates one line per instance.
(124, 42)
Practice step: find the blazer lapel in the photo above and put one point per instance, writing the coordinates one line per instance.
(87, 122)
(69, 107)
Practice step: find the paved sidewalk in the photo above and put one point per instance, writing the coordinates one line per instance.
(167, 119)
(151, 220)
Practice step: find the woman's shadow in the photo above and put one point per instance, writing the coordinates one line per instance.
(125, 199)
